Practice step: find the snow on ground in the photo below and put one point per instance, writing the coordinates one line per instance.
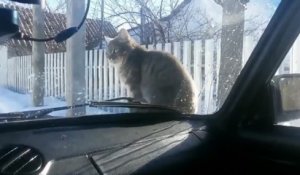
(15, 102)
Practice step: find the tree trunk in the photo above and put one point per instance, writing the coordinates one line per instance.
(75, 87)
(38, 57)
(231, 47)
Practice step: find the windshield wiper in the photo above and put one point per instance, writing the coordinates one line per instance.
(136, 105)
(131, 103)
(33, 114)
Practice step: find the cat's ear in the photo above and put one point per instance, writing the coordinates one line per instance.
(107, 39)
(124, 35)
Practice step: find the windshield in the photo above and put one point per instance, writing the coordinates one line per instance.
(182, 54)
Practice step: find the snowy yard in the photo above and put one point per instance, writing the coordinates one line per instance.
(15, 102)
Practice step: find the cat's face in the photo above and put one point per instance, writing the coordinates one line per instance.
(119, 47)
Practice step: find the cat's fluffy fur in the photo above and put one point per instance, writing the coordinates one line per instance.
(153, 77)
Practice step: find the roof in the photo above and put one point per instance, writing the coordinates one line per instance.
(54, 23)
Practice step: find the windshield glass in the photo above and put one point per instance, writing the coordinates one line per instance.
(182, 54)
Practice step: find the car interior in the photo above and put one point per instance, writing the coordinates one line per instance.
(243, 137)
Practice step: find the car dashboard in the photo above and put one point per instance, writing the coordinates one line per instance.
(98, 148)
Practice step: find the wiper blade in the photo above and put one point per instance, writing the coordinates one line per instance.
(128, 99)
(136, 105)
(33, 114)
(131, 103)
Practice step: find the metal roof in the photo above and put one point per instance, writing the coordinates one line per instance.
(54, 23)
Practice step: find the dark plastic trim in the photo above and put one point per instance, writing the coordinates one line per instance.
(266, 57)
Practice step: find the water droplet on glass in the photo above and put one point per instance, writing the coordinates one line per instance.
(63, 137)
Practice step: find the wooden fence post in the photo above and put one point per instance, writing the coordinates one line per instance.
(198, 71)
(100, 74)
(105, 78)
(95, 73)
(209, 47)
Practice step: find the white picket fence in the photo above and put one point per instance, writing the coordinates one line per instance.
(201, 58)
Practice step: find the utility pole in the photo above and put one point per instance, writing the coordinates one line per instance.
(38, 57)
(233, 20)
(142, 11)
(75, 85)
(102, 24)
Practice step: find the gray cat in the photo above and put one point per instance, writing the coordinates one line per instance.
(153, 77)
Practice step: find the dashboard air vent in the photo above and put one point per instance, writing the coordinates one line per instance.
(20, 159)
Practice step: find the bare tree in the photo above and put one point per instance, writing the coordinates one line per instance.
(164, 20)
(192, 23)
(138, 12)
(155, 21)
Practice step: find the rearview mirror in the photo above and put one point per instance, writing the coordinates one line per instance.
(286, 96)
